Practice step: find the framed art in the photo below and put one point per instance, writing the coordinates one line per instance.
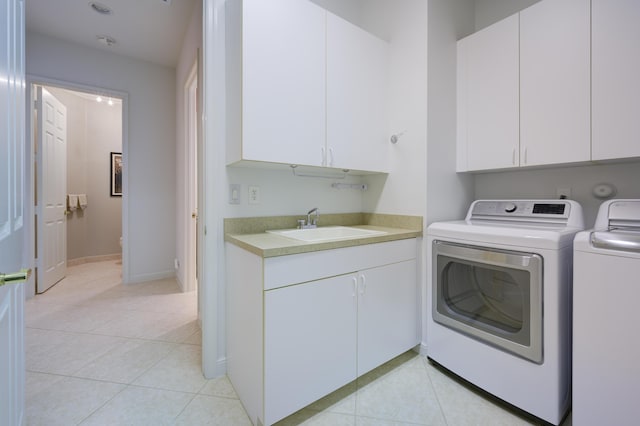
(116, 174)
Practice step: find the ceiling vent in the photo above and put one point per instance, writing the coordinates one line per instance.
(100, 8)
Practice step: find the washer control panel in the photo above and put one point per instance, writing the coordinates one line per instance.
(522, 209)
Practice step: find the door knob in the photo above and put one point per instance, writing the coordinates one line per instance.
(15, 277)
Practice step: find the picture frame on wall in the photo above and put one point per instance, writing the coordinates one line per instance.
(116, 174)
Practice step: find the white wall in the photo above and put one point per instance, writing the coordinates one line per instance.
(488, 12)
(94, 130)
(351, 10)
(403, 191)
(581, 179)
(149, 152)
(448, 193)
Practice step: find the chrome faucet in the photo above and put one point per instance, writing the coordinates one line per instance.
(309, 223)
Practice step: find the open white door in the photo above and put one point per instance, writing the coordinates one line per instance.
(12, 224)
(191, 123)
(52, 190)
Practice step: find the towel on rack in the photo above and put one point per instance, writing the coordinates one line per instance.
(72, 202)
(82, 201)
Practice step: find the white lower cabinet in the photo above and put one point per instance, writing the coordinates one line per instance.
(290, 345)
(310, 338)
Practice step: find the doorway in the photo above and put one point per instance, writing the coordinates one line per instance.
(81, 177)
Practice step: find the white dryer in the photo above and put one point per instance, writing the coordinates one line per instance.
(606, 336)
(499, 307)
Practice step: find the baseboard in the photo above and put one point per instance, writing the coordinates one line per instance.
(140, 278)
(421, 349)
(91, 259)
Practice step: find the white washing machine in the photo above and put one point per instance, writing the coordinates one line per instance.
(499, 300)
(606, 336)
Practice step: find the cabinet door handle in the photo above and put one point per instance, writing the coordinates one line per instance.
(330, 157)
(322, 157)
(513, 157)
(525, 154)
(363, 284)
(355, 286)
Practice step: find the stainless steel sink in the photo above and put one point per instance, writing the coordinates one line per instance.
(326, 233)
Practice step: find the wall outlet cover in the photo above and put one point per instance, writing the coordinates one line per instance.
(254, 194)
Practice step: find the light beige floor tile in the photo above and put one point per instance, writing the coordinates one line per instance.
(72, 318)
(151, 325)
(181, 370)
(68, 354)
(342, 401)
(127, 361)
(35, 311)
(72, 401)
(462, 406)
(368, 421)
(404, 395)
(176, 302)
(221, 387)
(309, 417)
(195, 338)
(209, 410)
(38, 382)
(140, 407)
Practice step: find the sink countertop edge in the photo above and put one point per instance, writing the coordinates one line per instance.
(272, 245)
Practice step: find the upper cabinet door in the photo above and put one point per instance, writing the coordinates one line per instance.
(555, 82)
(488, 98)
(615, 87)
(357, 82)
(283, 86)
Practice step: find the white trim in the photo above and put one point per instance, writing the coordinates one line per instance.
(32, 79)
(213, 158)
(421, 349)
(141, 278)
(93, 259)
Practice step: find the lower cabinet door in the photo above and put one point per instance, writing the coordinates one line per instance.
(310, 343)
(387, 313)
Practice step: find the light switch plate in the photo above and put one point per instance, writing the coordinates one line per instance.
(234, 193)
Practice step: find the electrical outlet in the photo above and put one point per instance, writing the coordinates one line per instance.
(234, 193)
(254, 194)
(563, 192)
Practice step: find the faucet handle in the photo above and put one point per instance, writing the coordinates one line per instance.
(301, 223)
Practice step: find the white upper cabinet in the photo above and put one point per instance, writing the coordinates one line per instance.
(555, 82)
(283, 81)
(488, 96)
(357, 63)
(303, 87)
(615, 86)
(524, 86)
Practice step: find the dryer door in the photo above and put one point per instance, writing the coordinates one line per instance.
(491, 295)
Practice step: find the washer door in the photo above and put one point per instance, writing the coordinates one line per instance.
(491, 295)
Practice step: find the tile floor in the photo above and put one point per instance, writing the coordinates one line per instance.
(100, 353)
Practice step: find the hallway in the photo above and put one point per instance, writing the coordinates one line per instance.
(100, 353)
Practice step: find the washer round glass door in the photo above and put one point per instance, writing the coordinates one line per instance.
(491, 295)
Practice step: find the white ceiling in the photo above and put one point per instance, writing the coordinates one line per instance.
(151, 30)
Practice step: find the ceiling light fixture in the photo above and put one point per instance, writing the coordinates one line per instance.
(110, 102)
(100, 8)
(106, 40)
(99, 99)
